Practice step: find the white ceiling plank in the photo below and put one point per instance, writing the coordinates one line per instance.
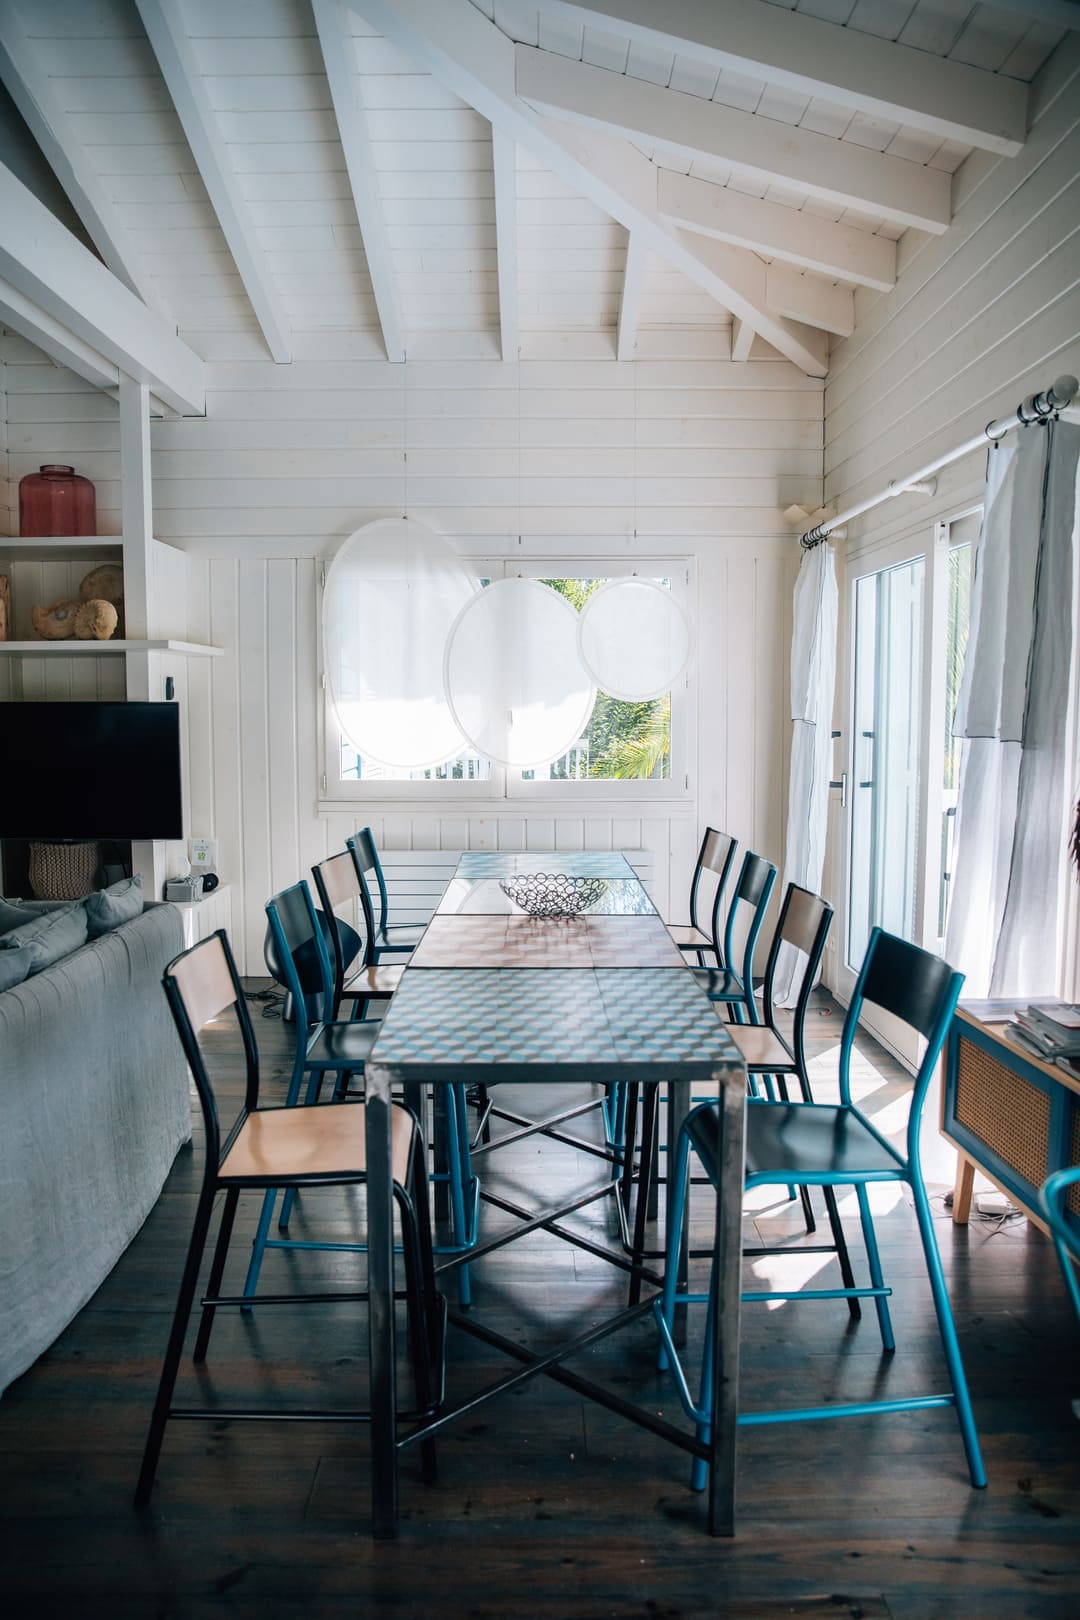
(473, 59)
(504, 158)
(782, 233)
(838, 171)
(854, 69)
(630, 302)
(810, 300)
(742, 340)
(29, 87)
(1061, 13)
(338, 57)
(50, 268)
(746, 278)
(164, 26)
(28, 318)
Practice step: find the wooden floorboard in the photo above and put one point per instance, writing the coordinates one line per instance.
(546, 1505)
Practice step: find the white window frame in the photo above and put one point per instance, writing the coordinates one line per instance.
(505, 788)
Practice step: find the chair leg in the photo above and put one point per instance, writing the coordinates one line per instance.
(160, 1415)
(699, 1471)
(677, 1193)
(217, 1271)
(842, 1255)
(419, 1333)
(947, 1328)
(649, 1112)
(258, 1243)
(888, 1342)
(630, 1141)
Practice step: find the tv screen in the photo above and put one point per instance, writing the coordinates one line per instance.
(90, 770)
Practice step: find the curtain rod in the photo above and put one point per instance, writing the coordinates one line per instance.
(1036, 408)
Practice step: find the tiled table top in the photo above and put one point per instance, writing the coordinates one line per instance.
(546, 942)
(484, 897)
(574, 862)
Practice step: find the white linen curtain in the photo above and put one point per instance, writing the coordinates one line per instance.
(813, 679)
(1010, 839)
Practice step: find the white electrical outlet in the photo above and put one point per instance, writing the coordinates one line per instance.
(203, 854)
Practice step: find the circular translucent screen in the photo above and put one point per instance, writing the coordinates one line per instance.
(514, 680)
(392, 593)
(634, 639)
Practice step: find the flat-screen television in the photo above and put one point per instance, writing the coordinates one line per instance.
(90, 770)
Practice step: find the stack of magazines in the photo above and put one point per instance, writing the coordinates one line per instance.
(1051, 1030)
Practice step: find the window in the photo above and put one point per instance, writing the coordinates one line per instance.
(627, 749)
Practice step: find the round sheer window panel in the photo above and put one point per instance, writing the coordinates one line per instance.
(634, 639)
(393, 591)
(514, 679)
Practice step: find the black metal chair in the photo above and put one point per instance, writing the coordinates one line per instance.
(386, 938)
(732, 986)
(357, 976)
(715, 857)
(289, 1147)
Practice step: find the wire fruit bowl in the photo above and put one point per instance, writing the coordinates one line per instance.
(552, 894)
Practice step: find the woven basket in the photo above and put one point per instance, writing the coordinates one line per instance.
(63, 871)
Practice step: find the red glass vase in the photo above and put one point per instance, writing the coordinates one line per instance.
(56, 500)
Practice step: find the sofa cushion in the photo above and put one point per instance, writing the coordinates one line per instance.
(107, 908)
(13, 913)
(15, 966)
(48, 937)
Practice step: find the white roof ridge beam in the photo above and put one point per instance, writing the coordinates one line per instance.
(630, 303)
(471, 57)
(504, 160)
(742, 340)
(820, 245)
(838, 172)
(862, 71)
(50, 267)
(338, 54)
(30, 89)
(163, 21)
(810, 300)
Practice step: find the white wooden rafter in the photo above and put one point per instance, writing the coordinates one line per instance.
(809, 299)
(52, 270)
(471, 57)
(827, 248)
(630, 303)
(763, 149)
(53, 338)
(339, 56)
(164, 24)
(504, 159)
(868, 74)
(742, 340)
(31, 89)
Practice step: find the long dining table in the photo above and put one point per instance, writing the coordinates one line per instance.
(491, 995)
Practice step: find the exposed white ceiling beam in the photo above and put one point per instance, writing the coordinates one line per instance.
(742, 340)
(839, 172)
(504, 156)
(805, 298)
(31, 90)
(820, 245)
(339, 58)
(171, 45)
(746, 278)
(1059, 13)
(469, 55)
(630, 302)
(853, 69)
(50, 267)
(28, 318)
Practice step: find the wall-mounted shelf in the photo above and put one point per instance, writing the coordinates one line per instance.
(71, 647)
(57, 547)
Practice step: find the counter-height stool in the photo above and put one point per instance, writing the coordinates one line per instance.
(386, 938)
(714, 857)
(358, 979)
(283, 1148)
(827, 1145)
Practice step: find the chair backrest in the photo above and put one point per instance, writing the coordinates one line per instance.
(337, 883)
(804, 922)
(366, 859)
(1054, 1198)
(756, 879)
(301, 954)
(715, 855)
(919, 989)
(200, 984)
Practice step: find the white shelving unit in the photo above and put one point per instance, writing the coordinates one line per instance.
(71, 648)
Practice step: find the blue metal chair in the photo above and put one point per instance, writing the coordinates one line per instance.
(824, 1145)
(715, 856)
(1064, 1226)
(385, 938)
(725, 983)
(341, 1048)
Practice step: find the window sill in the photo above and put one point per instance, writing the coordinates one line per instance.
(672, 807)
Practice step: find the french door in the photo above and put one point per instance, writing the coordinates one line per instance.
(905, 638)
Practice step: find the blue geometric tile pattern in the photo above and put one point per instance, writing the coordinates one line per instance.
(482, 897)
(575, 862)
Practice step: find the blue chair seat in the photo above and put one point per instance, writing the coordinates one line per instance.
(398, 937)
(719, 984)
(344, 1045)
(378, 983)
(829, 1143)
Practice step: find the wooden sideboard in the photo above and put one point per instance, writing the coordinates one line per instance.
(1008, 1114)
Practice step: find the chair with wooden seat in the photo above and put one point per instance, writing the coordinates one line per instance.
(734, 986)
(275, 1148)
(386, 938)
(830, 1145)
(714, 857)
(1064, 1225)
(358, 978)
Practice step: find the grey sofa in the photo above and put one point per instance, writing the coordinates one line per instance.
(94, 1104)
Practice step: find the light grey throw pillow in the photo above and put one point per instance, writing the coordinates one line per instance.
(48, 937)
(15, 966)
(117, 904)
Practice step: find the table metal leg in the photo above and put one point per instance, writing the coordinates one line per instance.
(725, 1346)
(380, 1201)
(678, 1105)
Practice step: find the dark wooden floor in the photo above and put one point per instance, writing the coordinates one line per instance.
(546, 1506)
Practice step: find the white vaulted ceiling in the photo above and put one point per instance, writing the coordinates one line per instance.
(417, 167)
